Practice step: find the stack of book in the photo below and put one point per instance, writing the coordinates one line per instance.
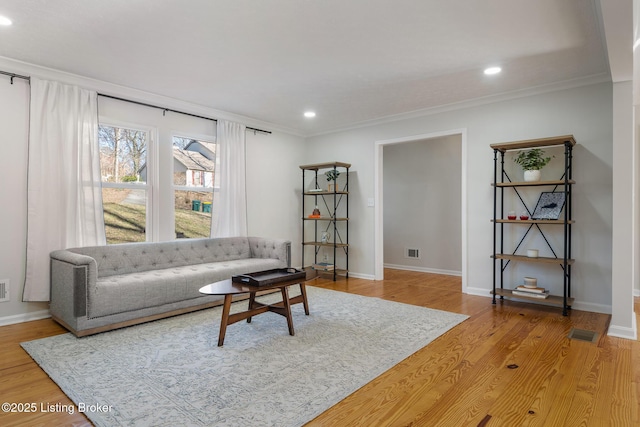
(524, 291)
(323, 266)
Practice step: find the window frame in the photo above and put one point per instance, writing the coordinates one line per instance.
(213, 189)
(151, 185)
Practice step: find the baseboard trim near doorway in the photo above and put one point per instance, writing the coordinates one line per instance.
(423, 269)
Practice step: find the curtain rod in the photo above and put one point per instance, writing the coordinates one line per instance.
(15, 76)
(164, 110)
(27, 78)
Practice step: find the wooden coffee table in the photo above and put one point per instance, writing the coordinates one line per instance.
(228, 288)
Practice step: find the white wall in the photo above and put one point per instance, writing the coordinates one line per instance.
(585, 112)
(14, 113)
(422, 204)
(273, 188)
(271, 177)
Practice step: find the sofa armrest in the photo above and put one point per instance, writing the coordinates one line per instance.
(262, 247)
(72, 257)
(72, 275)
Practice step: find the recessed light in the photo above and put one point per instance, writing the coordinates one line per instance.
(309, 114)
(5, 21)
(492, 70)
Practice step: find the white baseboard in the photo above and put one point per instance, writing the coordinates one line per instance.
(25, 317)
(481, 292)
(589, 306)
(577, 305)
(636, 292)
(354, 275)
(362, 276)
(624, 332)
(423, 269)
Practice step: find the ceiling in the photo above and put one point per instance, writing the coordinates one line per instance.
(352, 62)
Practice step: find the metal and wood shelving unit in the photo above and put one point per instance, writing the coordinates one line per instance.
(501, 260)
(334, 218)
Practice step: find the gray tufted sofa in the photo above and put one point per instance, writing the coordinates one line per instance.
(99, 288)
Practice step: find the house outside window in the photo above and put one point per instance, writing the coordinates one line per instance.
(194, 163)
(125, 191)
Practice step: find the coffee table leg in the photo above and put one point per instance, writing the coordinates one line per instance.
(252, 299)
(287, 309)
(226, 308)
(305, 303)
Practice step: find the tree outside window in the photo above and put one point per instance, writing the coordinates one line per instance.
(123, 154)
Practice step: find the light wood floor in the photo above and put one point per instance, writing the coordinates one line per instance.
(507, 365)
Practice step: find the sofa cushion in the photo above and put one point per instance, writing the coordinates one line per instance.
(127, 292)
(116, 260)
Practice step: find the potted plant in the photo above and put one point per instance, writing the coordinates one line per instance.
(332, 175)
(532, 161)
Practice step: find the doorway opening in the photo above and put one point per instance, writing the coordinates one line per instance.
(420, 185)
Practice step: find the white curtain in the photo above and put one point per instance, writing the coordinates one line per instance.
(229, 216)
(64, 201)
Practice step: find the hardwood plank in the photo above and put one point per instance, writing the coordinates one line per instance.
(461, 378)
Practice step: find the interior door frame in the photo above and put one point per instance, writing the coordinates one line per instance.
(379, 196)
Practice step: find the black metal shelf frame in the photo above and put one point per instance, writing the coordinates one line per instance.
(567, 223)
(331, 201)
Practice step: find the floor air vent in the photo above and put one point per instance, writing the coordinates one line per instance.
(583, 335)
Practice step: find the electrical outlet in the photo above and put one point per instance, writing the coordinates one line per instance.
(4, 290)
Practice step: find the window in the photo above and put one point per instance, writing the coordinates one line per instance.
(193, 176)
(125, 193)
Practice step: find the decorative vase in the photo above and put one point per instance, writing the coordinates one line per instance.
(532, 175)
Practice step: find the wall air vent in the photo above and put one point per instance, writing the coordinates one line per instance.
(412, 253)
(4, 290)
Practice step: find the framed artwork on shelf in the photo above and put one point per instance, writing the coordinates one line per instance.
(549, 205)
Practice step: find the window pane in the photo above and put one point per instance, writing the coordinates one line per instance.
(193, 176)
(193, 162)
(123, 154)
(125, 214)
(193, 214)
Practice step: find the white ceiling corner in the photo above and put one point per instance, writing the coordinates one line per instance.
(617, 23)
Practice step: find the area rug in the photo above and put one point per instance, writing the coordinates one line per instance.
(171, 372)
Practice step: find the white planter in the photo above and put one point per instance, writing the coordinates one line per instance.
(532, 175)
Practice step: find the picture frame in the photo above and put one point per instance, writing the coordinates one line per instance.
(549, 205)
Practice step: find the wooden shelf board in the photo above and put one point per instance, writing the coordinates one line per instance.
(339, 271)
(324, 193)
(325, 218)
(325, 166)
(533, 143)
(544, 260)
(532, 183)
(554, 300)
(533, 221)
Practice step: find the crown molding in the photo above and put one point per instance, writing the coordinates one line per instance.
(38, 71)
(475, 102)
